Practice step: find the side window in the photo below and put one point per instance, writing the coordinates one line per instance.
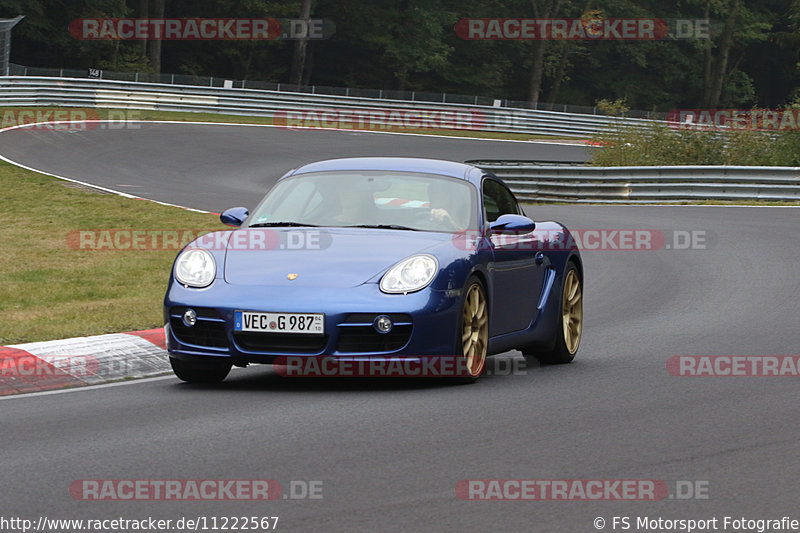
(497, 200)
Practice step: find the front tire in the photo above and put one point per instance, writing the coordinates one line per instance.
(473, 338)
(200, 370)
(570, 322)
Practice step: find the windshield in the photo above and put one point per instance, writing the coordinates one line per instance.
(384, 199)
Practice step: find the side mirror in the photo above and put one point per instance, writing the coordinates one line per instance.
(512, 224)
(234, 216)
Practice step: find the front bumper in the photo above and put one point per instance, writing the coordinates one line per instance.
(425, 322)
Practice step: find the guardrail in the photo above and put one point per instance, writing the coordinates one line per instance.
(419, 96)
(75, 92)
(666, 184)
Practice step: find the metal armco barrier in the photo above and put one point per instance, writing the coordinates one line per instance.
(23, 91)
(673, 184)
(529, 180)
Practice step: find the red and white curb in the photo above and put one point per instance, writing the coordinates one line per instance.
(58, 364)
(401, 202)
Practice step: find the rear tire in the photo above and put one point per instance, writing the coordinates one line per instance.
(200, 370)
(570, 322)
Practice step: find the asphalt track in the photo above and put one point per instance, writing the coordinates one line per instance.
(213, 167)
(390, 453)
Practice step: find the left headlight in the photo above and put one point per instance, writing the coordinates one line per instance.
(410, 275)
(195, 267)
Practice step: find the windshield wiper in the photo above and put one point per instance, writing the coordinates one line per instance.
(382, 226)
(284, 224)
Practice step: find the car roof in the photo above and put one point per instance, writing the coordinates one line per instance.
(402, 164)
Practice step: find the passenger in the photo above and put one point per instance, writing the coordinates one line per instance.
(443, 207)
(355, 207)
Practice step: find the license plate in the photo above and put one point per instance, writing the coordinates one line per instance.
(313, 323)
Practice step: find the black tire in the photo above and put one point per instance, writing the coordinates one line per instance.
(200, 370)
(563, 350)
(479, 326)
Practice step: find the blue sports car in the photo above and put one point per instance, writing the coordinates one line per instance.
(392, 259)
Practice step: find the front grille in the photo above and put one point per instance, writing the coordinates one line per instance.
(366, 319)
(280, 342)
(366, 339)
(203, 333)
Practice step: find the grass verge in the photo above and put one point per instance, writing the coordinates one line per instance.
(658, 144)
(49, 289)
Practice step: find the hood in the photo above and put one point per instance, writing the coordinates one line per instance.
(322, 257)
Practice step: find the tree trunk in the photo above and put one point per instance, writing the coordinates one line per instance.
(155, 45)
(537, 68)
(536, 72)
(300, 48)
(309, 65)
(707, 58)
(115, 56)
(719, 67)
(144, 12)
(566, 47)
(562, 68)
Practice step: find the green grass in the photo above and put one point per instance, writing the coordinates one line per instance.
(49, 289)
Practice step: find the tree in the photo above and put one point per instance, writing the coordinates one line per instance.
(541, 9)
(159, 8)
(741, 27)
(300, 48)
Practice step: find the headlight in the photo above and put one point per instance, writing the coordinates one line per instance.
(195, 267)
(410, 274)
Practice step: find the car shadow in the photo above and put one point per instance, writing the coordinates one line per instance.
(265, 378)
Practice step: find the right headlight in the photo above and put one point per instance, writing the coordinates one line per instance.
(410, 275)
(195, 267)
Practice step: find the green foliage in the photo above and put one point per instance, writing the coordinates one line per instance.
(662, 145)
(616, 108)
(412, 45)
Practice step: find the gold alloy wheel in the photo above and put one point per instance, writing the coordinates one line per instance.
(475, 330)
(572, 311)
